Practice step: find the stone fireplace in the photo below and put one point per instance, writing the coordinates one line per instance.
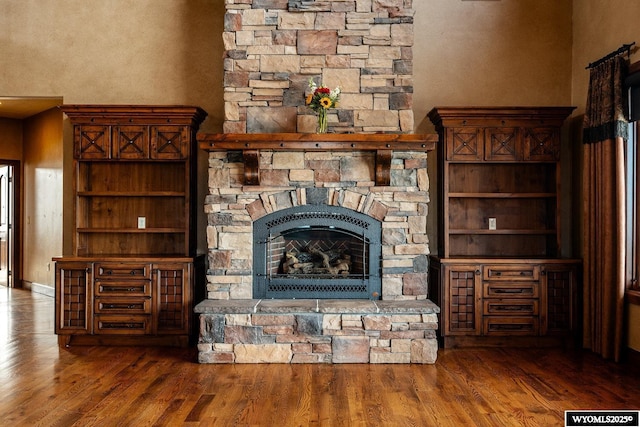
(319, 289)
(319, 184)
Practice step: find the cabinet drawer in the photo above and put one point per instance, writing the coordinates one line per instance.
(123, 305)
(510, 307)
(121, 270)
(496, 325)
(511, 272)
(510, 290)
(122, 324)
(121, 288)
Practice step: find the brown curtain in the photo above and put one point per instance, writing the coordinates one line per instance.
(605, 130)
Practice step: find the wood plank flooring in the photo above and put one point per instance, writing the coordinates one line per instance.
(44, 385)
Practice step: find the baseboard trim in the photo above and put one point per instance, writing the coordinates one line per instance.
(39, 288)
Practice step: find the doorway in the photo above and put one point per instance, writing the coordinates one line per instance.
(8, 224)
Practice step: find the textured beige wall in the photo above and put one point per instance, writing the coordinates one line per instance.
(116, 51)
(491, 53)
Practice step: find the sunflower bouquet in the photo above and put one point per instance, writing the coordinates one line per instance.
(320, 99)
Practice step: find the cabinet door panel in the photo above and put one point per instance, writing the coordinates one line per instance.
(541, 144)
(169, 142)
(464, 296)
(464, 144)
(131, 142)
(173, 299)
(561, 294)
(92, 142)
(74, 297)
(502, 144)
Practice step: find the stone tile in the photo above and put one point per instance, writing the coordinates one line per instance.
(288, 306)
(227, 306)
(309, 324)
(216, 358)
(346, 306)
(412, 306)
(317, 43)
(383, 355)
(244, 335)
(272, 319)
(347, 349)
(424, 351)
(415, 283)
(263, 353)
(311, 358)
(211, 328)
(375, 322)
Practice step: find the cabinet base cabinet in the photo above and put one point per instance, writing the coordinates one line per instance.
(510, 302)
(126, 302)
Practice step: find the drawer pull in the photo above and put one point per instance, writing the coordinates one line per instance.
(511, 308)
(117, 325)
(118, 289)
(510, 327)
(508, 291)
(125, 306)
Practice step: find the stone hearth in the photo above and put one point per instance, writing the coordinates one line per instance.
(317, 331)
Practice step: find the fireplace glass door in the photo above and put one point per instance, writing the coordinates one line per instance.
(317, 252)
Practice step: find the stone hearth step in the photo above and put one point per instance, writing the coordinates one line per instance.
(317, 331)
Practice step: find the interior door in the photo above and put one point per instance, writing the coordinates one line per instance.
(6, 224)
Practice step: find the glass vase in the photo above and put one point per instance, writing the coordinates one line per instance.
(322, 120)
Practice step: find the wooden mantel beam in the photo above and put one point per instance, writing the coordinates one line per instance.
(382, 144)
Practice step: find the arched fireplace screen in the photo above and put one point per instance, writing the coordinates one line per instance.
(316, 251)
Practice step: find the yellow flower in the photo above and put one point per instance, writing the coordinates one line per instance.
(326, 102)
(309, 99)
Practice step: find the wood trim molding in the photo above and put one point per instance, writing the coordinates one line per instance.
(382, 144)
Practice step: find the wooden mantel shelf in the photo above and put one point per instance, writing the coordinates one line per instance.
(251, 144)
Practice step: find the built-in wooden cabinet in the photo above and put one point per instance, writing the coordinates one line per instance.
(499, 271)
(134, 261)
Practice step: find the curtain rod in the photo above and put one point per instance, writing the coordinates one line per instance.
(622, 49)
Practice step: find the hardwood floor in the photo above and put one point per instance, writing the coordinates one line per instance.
(41, 384)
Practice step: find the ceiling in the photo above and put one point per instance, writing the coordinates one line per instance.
(12, 107)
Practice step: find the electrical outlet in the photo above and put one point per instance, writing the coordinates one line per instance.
(142, 222)
(492, 224)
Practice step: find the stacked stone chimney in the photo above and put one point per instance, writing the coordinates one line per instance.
(273, 48)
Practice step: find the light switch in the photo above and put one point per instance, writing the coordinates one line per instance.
(492, 224)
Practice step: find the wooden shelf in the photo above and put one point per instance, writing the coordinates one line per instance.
(503, 195)
(131, 230)
(251, 143)
(503, 231)
(130, 194)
